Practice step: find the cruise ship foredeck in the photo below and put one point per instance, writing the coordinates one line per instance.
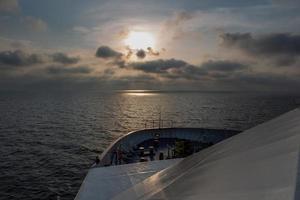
(140, 154)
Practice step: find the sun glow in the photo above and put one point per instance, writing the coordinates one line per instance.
(140, 40)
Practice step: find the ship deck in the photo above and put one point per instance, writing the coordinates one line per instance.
(107, 182)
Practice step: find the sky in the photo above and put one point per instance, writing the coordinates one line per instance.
(219, 45)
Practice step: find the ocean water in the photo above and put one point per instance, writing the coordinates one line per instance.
(49, 139)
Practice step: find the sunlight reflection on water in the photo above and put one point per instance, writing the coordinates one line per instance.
(139, 92)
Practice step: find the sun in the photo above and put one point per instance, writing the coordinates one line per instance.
(140, 40)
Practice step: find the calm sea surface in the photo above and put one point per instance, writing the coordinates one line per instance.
(49, 140)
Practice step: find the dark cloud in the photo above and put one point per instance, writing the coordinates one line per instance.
(19, 58)
(223, 66)
(107, 52)
(62, 70)
(210, 69)
(158, 66)
(282, 48)
(170, 69)
(64, 58)
(141, 54)
(272, 44)
(119, 59)
(179, 69)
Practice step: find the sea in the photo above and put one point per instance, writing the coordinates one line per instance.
(49, 139)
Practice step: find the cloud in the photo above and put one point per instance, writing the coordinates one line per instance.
(19, 58)
(9, 6)
(283, 48)
(129, 52)
(9, 44)
(120, 59)
(152, 52)
(178, 19)
(22, 58)
(168, 68)
(114, 58)
(141, 54)
(63, 70)
(158, 66)
(107, 52)
(35, 24)
(18, 44)
(187, 72)
(175, 26)
(81, 29)
(272, 44)
(173, 69)
(64, 59)
(223, 66)
(123, 33)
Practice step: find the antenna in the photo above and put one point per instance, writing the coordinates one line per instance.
(159, 119)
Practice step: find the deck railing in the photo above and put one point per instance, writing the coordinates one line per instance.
(152, 124)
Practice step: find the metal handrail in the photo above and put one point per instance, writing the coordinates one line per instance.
(158, 124)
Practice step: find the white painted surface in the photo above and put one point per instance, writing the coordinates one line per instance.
(106, 182)
(258, 164)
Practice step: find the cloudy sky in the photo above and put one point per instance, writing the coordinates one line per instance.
(153, 44)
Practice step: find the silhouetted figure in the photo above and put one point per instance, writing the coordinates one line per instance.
(161, 156)
(97, 160)
(119, 156)
(168, 155)
(113, 158)
(151, 154)
(116, 157)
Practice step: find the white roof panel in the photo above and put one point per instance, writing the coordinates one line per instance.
(261, 163)
(105, 182)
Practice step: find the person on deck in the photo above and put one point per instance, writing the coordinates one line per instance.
(151, 154)
(119, 156)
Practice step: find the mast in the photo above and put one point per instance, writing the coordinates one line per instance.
(159, 118)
